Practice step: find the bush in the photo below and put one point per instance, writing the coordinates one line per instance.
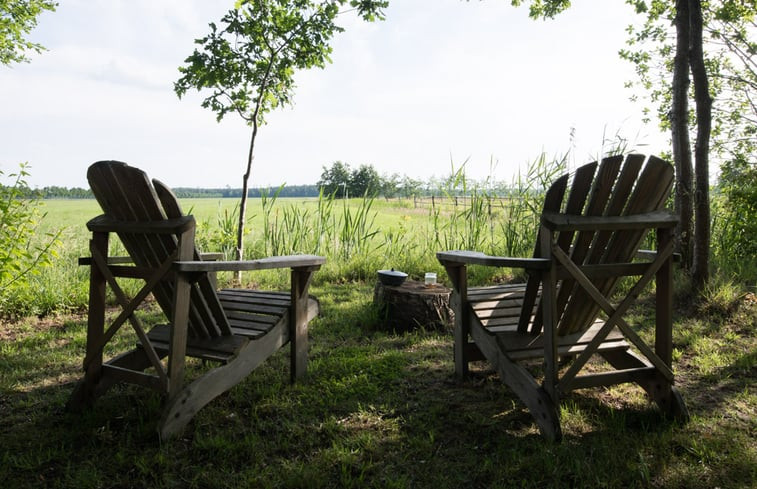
(21, 252)
(737, 225)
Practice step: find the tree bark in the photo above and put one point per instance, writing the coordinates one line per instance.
(679, 127)
(246, 178)
(413, 305)
(243, 203)
(703, 101)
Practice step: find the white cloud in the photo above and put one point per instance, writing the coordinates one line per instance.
(437, 79)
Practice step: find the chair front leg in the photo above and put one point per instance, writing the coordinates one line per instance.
(298, 321)
(180, 320)
(84, 393)
(549, 316)
(458, 274)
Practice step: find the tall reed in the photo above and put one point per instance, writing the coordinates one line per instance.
(525, 199)
(220, 237)
(357, 228)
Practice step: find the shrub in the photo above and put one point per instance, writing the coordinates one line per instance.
(21, 252)
(737, 227)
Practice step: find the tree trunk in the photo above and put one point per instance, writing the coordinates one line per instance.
(679, 126)
(243, 204)
(703, 101)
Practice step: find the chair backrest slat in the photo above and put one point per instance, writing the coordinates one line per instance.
(601, 192)
(616, 187)
(203, 291)
(552, 202)
(114, 189)
(126, 194)
(649, 193)
(580, 186)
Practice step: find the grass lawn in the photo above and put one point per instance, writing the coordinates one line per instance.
(379, 409)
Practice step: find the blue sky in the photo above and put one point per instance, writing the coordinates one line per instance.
(439, 81)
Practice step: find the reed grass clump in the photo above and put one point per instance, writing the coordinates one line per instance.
(362, 235)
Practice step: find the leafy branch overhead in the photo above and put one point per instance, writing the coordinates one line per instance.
(249, 62)
(17, 19)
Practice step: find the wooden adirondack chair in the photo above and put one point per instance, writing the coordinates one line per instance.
(588, 239)
(237, 328)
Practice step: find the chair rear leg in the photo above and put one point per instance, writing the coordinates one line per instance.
(659, 389)
(95, 384)
(85, 392)
(298, 317)
(669, 400)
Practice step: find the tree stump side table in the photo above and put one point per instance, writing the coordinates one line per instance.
(413, 305)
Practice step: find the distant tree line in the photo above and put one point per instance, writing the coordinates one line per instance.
(228, 192)
(56, 192)
(339, 180)
(343, 181)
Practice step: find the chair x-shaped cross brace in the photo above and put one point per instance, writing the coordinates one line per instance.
(614, 315)
(128, 308)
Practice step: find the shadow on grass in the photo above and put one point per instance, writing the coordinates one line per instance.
(376, 410)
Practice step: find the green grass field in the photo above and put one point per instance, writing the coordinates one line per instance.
(72, 215)
(377, 409)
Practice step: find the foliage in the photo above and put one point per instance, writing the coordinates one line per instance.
(291, 228)
(527, 201)
(543, 9)
(730, 48)
(738, 226)
(249, 64)
(342, 181)
(365, 181)
(17, 19)
(221, 237)
(20, 252)
(723, 46)
(335, 179)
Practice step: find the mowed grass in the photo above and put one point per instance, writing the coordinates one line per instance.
(377, 409)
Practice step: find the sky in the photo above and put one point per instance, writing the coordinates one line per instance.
(438, 84)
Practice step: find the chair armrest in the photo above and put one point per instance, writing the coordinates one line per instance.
(652, 254)
(112, 260)
(566, 222)
(478, 258)
(211, 256)
(291, 261)
(106, 224)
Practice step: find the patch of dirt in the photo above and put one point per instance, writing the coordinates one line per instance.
(14, 330)
(17, 328)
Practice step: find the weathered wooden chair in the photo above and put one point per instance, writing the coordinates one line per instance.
(238, 328)
(588, 240)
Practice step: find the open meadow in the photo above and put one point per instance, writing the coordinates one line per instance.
(377, 409)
